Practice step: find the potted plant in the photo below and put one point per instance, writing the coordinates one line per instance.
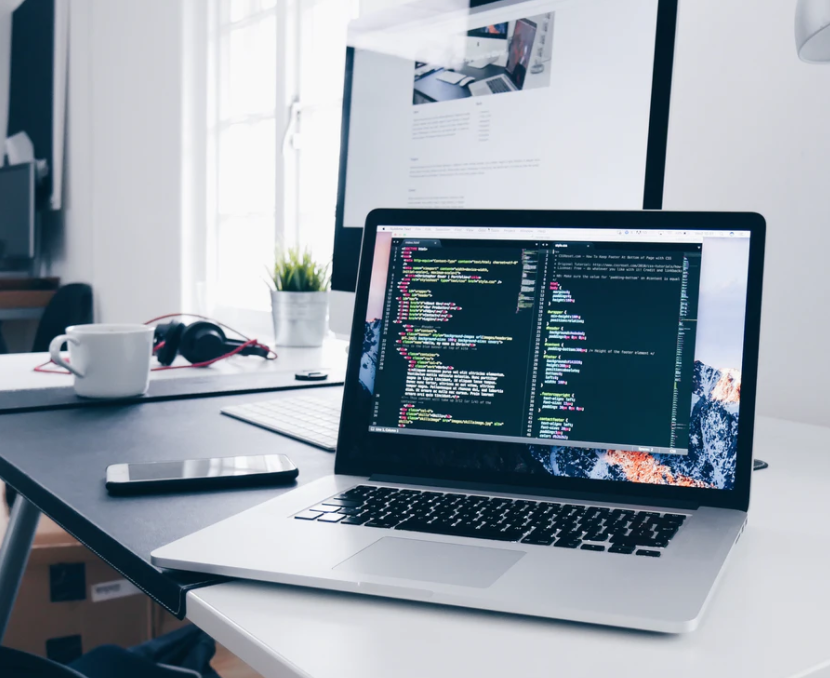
(299, 299)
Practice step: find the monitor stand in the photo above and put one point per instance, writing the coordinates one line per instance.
(341, 310)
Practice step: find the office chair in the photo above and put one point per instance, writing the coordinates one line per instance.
(71, 305)
(184, 653)
(17, 664)
(103, 662)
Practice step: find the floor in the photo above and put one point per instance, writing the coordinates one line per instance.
(228, 665)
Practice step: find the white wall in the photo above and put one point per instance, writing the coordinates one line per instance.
(749, 131)
(122, 230)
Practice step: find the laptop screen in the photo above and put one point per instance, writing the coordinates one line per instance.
(518, 56)
(599, 354)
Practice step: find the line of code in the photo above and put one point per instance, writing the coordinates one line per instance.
(549, 341)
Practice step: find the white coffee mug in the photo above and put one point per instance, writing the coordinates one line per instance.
(108, 360)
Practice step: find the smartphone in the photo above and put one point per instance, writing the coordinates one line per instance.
(201, 474)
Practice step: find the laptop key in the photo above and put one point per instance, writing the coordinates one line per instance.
(541, 539)
(322, 508)
(341, 502)
(592, 547)
(383, 523)
(567, 543)
(330, 518)
(622, 548)
(308, 515)
(649, 554)
(674, 517)
(354, 520)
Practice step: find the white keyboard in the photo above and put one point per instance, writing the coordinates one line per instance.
(313, 419)
(451, 77)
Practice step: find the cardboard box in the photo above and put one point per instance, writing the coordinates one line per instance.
(70, 601)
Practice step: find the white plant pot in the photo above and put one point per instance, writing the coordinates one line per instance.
(300, 318)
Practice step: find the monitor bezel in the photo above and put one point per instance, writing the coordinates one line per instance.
(347, 238)
(355, 439)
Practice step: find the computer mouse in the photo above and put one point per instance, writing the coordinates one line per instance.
(466, 81)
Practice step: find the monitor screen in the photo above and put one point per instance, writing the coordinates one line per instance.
(602, 354)
(495, 31)
(583, 126)
(518, 55)
(17, 212)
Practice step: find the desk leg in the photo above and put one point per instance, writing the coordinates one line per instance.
(14, 553)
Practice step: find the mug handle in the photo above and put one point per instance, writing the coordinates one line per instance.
(55, 353)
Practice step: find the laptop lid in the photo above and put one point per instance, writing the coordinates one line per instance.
(611, 353)
(519, 52)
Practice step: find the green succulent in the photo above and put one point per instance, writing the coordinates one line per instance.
(296, 271)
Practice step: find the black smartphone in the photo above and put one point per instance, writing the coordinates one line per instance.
(201, 474)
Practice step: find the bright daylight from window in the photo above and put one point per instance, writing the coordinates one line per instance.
(274, 111)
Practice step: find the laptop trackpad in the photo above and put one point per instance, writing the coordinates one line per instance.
(432, 561)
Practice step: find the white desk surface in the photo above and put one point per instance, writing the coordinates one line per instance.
(769, 618)
(17, 369)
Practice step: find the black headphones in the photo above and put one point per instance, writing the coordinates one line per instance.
(198, 342)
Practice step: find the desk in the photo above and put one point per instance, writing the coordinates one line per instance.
(433, 89)
(87, 439)
(768, 618)
(17, 370)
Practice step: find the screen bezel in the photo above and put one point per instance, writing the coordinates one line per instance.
(347, 238)
(353, 458)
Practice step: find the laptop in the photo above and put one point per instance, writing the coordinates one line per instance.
(518, 58)
(544, 413)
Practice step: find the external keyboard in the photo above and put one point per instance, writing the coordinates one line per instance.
(541, 523)
(313, 419)
(498, 86)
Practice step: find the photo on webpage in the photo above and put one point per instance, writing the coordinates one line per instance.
(501, 58)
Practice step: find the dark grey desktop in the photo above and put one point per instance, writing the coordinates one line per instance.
(17, 213)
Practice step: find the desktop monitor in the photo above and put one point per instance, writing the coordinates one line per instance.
(17, 215)
(486, 45)
(586, 130)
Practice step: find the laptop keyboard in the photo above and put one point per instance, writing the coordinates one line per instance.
(540, 523)
(498, 86)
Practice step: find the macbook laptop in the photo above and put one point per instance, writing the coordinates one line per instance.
(545, 413)
(518, 58)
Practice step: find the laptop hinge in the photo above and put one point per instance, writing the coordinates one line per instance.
(543, 491)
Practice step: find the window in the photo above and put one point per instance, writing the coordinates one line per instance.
(275, 84)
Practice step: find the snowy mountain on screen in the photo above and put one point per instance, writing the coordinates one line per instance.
(712, 446)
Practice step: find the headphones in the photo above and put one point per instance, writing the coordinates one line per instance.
(200, 342)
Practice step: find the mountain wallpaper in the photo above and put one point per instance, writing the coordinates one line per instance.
(712, 457)
(712, 450)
